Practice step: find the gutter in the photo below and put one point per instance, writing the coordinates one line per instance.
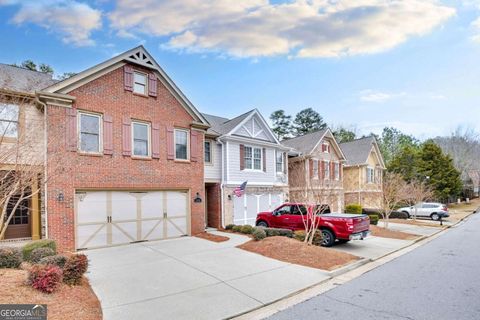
(45, 137)
(222, 184)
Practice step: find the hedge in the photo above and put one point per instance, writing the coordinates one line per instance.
(353, 208)
(28, 248)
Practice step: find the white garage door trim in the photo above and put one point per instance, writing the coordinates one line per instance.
(110, 217)
(246, 207)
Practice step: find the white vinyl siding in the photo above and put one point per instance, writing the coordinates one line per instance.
(213, 171)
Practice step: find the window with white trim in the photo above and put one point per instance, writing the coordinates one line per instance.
(326, 165)
(90, 132)
(139, 82)
(336, 167)
(315, 169)
(279, 161)
(207, 151)
(326, 147)
(141, 139)
(9, 114)
(252, 158)
(181, 144)
(370, 175)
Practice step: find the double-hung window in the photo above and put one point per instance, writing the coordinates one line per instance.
(140, 82)
(9, 120)
(279, 161)
(141, 139)
(208, 151)
(370, 175)
(181, 144)
(90, 132)
(315, 169)
(326, 165)
(252, 158)
(337, 171)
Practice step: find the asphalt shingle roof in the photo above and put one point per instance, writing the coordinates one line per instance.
(357, 151)
(220, 125)
(305, 143)
(23, 80)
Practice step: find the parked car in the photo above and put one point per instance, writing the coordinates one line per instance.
(334, 226)
(432, 210)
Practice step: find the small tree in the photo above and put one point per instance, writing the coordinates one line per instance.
(417, 191)
(394, 192)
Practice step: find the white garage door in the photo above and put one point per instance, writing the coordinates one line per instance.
(105, 218)
(245, 208)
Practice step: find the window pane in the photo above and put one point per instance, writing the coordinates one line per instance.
(248, 152)
(248, 163)
(207, 152)
(257, 164)
(140, 131)
(257, 153)
(8, 129)
(9, 112)
(139, 88)
(89, 142)
(181, 144)
(140, 78)
(140, 147)
(89, 124)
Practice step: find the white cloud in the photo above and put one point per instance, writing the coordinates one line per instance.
(378, 96)
(73, 20)
(300, 28)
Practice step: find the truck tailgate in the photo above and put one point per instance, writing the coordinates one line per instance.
(361, 224)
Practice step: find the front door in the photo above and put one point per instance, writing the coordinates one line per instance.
(19, 226)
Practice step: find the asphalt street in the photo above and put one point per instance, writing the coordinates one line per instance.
(439, 280)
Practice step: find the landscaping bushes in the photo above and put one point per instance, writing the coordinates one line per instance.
(10, 257)
(45, 278)
(259, 234)
(269, 232)
(398, 215)
(353, 208)
(236, 228)
(229, 226)
(56, 260)
(299, 235)
(28, 248)
(373, 219)
(272, 232)
(247, 229)
(40, 253)
(74, 269)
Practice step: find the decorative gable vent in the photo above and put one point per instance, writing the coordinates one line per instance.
(140, 57)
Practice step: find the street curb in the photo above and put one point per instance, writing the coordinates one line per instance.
(272, 308)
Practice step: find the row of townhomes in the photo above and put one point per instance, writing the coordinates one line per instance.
(120, 155)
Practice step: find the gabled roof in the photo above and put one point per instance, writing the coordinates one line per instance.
(358, 151)
(19, 79)
(306, 143)
(138, 56)
(221, 126)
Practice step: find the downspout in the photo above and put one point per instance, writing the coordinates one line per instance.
(359, 183)
(45, 136)
(222, 182)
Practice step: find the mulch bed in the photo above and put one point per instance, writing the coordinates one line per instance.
(212, 237)
(67, 302)
(387, 233)
(294, 251)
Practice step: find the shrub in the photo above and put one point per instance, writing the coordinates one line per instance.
(373, 219)
(259, 234)
(398, 215)
(45, 278)
(237, 228)
(229, 226)
(247, 229)
(40, 253)
(272, 232)
(74, 269)
(57, 260)
(10, 257)
(28, 248)
(353, 208)
(299, 235)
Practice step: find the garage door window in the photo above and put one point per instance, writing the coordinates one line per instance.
(141, 139)
(90, 132)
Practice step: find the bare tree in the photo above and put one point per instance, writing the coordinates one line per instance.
(395, 191)
(416, 192)
(315, 193)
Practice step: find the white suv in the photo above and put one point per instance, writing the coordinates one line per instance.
(432, 210)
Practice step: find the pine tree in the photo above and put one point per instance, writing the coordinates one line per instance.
(282, 125)
(306, 121)
(406, 163)
(344, 135)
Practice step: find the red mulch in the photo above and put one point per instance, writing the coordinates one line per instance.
(297, 252)
(67, 302)
(387, 233)
(212, 237)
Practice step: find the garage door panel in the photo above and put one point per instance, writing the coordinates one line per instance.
(152, 205)
(176, 228)
(124, 232)
(124, 205)
(91, 236)
(93, 206)
(238, 210)
(176, 203)
(152, 229)
(255, 203)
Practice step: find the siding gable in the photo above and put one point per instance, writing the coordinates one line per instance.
(254, 128)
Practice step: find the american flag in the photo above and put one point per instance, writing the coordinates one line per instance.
(240, 190)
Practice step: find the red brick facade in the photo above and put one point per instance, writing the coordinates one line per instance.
(70, 170)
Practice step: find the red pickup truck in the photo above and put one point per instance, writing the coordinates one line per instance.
(341, 226)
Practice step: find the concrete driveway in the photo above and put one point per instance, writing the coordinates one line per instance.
(372, 247)
(190, 278)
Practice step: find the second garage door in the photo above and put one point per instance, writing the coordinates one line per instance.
(105, 218)
(246, 207)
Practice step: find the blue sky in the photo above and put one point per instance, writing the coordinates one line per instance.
(365, 64)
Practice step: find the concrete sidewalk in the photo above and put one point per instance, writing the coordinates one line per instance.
(189, 278)
(411, 228)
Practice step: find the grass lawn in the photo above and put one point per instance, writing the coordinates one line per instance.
(387, 233)
(76, 302)
(294, 251)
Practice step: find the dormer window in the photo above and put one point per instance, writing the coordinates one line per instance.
(140, 83)
(326, 147)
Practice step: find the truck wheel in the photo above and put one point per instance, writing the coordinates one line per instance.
(262, 224)
(328, 238)
(435, 216)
